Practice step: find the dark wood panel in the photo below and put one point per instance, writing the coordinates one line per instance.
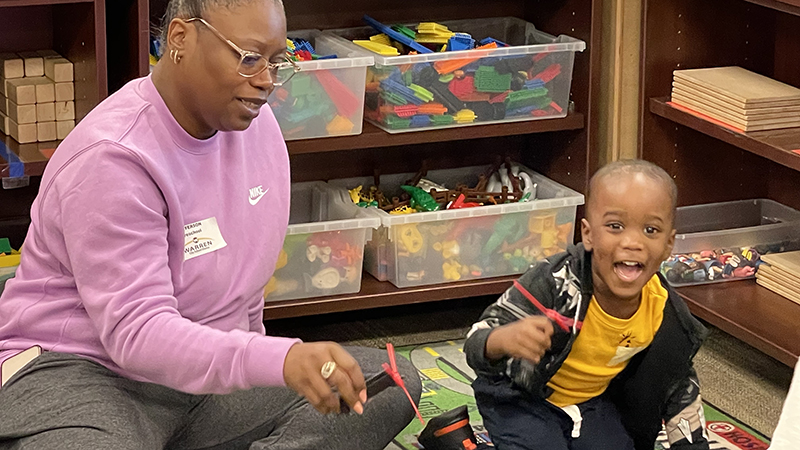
(373, 136)
(325, 14)
(17, 32)
(751, 313)
(128, 38)
(9, 3)
(376, 294)
(79, 35)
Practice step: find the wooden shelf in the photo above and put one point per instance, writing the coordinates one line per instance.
(751, 313)
(775, 145)
(787, 6)
(375, 294)
(373, 136)
(33, 157)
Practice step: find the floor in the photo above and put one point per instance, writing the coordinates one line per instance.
(734, 377)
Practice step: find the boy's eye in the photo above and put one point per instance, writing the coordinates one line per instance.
(650, 230)
(614, 226)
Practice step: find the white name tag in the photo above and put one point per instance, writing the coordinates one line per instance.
(201, 238)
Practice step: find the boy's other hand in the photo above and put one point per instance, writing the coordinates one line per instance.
(528, 338)
(302, 372)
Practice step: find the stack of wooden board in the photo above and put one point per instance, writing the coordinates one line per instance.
(737, 97)
(781, 274)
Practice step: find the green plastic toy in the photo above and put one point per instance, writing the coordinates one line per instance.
(421, 200)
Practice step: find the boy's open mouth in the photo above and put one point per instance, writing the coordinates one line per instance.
(628, 271)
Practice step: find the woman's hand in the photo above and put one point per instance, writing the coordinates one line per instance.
(302, 371)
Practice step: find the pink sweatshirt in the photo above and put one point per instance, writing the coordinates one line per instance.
(149, 249)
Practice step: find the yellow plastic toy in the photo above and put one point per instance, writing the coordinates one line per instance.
(447, 248)
(8, 256)
(465, 116)
(451, 270)
(410, 237)
(381, 49)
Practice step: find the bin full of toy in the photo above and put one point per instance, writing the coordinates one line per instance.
(324, 247)
(458, 224)
(725, 241)
(326, 97)
(463, 72)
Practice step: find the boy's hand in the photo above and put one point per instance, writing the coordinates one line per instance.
(528, 338)
(302, 372)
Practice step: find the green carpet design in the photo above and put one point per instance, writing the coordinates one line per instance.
(446, 385)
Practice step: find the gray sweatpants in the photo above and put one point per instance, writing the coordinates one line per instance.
(61, 401)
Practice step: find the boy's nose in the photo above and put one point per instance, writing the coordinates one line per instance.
(632, 240)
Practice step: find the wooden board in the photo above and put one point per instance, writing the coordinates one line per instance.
(718, 102)
(740, 84)
(778, 289)
(788, 261)
(733, 123)
(782, 278)
(731, 101)
(747, 125)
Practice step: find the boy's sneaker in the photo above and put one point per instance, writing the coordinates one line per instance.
(450, 431)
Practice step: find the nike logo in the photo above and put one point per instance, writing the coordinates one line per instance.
(256, 194)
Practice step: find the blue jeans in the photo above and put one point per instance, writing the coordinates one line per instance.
(536, 424)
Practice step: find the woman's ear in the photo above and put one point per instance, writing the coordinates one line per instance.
(586, 235)
(177, 35)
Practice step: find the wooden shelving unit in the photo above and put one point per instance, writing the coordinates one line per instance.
(75, 29)
(711, 163)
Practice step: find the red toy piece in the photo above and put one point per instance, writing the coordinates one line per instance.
(548, 74)
(346, 102)
(459, 203)
(398, 380)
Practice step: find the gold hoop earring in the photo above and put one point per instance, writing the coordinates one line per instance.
(173, 54)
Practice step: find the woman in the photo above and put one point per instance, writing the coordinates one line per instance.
(158, 223)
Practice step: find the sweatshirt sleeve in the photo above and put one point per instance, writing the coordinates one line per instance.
(114, 223)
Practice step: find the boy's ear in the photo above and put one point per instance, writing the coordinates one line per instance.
(586, 235)
(670, 244)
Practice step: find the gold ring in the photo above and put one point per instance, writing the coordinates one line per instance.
(327, 369)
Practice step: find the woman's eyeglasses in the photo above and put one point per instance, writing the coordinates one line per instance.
(252, 63)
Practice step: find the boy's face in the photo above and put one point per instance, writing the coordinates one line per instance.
(629, 231)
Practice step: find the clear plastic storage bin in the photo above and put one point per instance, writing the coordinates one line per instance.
(530, 79)
(326, 98)
(324, 247)
(463, 244)
(725, 241)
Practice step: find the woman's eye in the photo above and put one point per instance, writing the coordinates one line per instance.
(250, 61)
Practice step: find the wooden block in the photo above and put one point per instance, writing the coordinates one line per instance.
(21, 91)
(740, 84)
(65, 110)
(778, 289)
(63, 128)
(4, 86)
(24, 134)
(48, 54)
(46, 92)
(65, 92)
(46, 131)
(783, 278)
(58, 69)
(18, 113)
(4, 123)
(34, 64)
(11, 66)
(46, 112)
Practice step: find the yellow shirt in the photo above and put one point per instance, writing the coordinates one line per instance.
(604, 347)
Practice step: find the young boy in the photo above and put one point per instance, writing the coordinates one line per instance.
(591, 348)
